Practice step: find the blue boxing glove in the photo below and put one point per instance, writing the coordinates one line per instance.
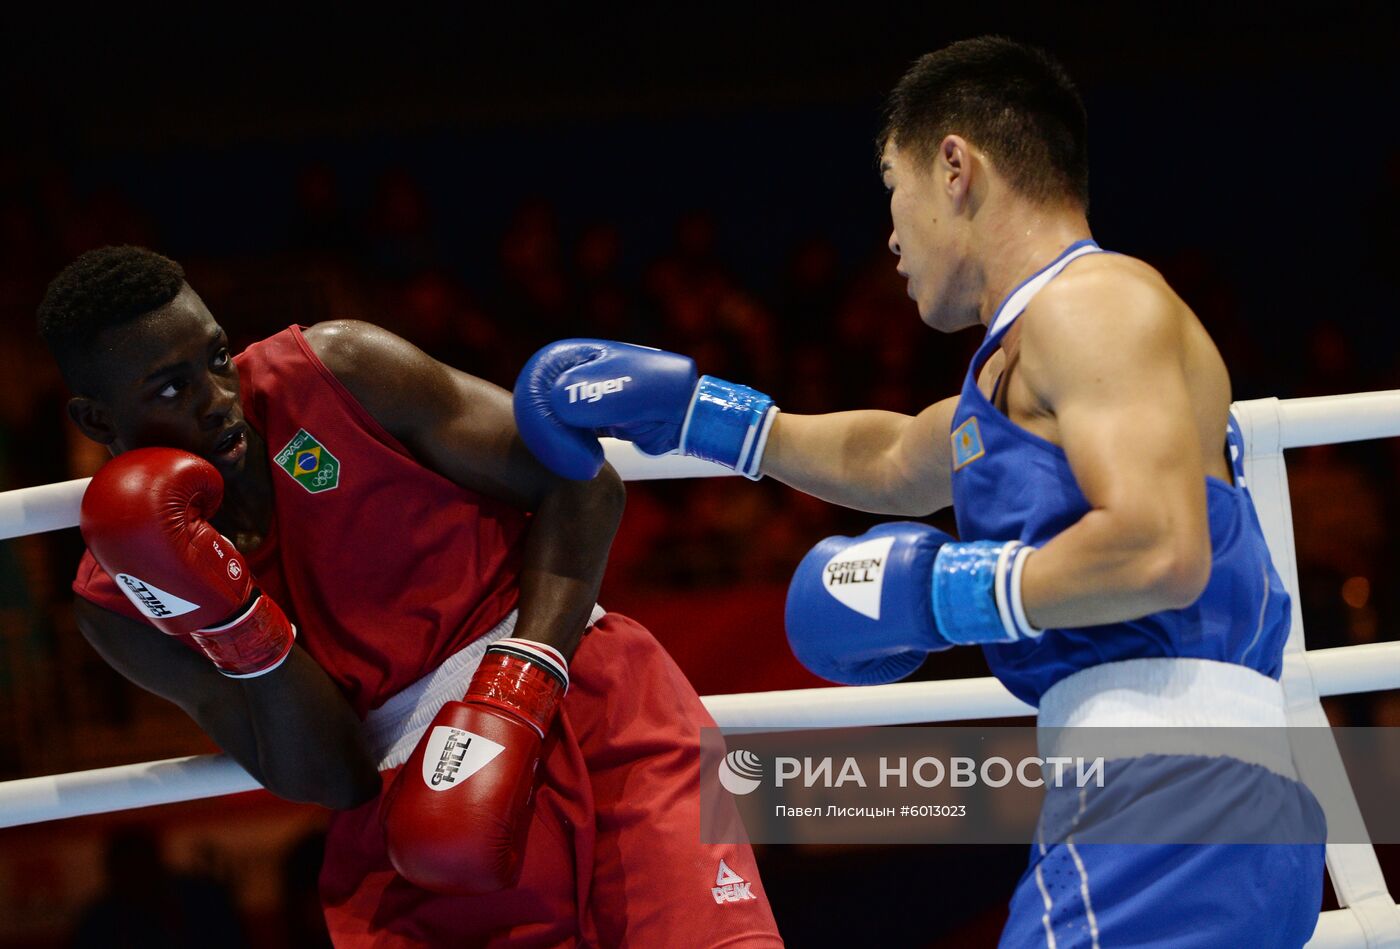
(867, 610)
(573, 390)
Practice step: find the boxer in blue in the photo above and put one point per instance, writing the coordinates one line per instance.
(1110, 562)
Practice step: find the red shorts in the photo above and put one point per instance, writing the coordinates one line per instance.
(614, 856)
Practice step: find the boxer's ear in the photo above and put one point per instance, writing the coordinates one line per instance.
(92, 419)
(953, 169)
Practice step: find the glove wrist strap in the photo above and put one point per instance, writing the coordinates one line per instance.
(977, 592)
(525, 678)
(253, 643)
(728, 424)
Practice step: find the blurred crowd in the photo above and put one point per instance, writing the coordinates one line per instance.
(824, 328)
(827, 327)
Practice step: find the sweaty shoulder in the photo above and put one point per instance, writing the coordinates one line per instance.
(1104, 315)
(392, 379)
(1109, 326)
(1105, 294)
(355, 351)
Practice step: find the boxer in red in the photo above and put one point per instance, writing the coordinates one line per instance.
(317, 548)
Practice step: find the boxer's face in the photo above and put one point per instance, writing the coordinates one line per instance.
(927, 237)
(167, 379)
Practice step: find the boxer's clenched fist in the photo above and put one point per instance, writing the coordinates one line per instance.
(145, 517)
(458, 813)
(574, 390)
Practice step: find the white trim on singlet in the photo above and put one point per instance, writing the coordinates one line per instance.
(1020, 298)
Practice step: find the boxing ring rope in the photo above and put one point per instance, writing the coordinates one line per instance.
(1322, 420)
(1340, 671)
(1270, 426)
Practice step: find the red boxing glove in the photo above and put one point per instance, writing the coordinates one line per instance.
(145, 519)
(458, 812)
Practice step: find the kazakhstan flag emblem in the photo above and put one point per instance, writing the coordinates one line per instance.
(967, 443)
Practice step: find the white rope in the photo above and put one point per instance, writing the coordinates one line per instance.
(48, 507)
(30, 800)
(1339, 671)
(1269, 426)
(1333, 419)
(1341, 929)
(1324, 420)
(1293, 423)
(51, 507)
(125, 787)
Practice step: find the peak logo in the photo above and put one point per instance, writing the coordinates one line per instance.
(740, 772)
(730, 887)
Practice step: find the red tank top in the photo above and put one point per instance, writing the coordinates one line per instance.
(387, 568)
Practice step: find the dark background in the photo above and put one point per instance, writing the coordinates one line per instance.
(704, 182)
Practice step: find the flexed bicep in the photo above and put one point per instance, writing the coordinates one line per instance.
(1108, 363)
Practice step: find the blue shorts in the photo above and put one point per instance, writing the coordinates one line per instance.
(1086, 887)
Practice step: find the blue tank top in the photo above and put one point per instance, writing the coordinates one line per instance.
(1010, 484)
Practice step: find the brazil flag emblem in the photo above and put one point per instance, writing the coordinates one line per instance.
(309, 463)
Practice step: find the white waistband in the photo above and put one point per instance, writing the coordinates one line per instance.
(393, 729)
(1168, 707)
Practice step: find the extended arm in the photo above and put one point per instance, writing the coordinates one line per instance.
(573, 390)
(881, 462)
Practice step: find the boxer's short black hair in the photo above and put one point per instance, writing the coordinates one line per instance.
(1013, 101)
(102, 288)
